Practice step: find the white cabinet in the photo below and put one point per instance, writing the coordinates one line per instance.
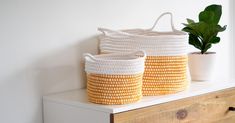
(73, 107)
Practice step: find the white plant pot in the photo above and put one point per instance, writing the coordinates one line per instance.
(201, 65)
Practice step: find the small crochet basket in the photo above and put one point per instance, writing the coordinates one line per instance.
(115, 78)
(166, 62)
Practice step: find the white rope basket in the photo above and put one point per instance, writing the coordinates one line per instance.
(155, 43)
(166, 61)
(115, 78)
(117, 63)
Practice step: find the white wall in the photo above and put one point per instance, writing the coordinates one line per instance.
(232, 37)
(42, 42)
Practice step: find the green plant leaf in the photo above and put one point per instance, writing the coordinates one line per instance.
(217, 10)
(200, 28)
(188, 29)
(207, 46)
(191, 31)
(207, 16)
(215, 40)
(211, 14)
(190, 21)
(221, 29)
(193, 40)
(212, 32)
(185, 24)
(203, 34)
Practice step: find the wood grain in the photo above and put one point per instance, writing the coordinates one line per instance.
(207, 108)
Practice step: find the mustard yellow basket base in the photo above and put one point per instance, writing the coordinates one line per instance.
(114, 89)
(165, 75)
(162, 90)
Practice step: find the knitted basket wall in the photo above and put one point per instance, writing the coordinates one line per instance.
(115, 78)
(165, 75)
(166, 62)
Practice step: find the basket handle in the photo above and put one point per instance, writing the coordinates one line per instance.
(88, 55)
(105, 31)
(172, 24)
(141, 53)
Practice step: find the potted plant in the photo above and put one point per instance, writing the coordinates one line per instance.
(202, 35)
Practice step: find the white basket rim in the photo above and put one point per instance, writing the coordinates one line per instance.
(171, 34)
(120, 57)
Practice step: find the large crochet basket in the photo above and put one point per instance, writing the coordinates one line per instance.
(115, 78)
(166, 62)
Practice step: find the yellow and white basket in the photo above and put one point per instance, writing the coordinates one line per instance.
(115, 78)
(166, 62)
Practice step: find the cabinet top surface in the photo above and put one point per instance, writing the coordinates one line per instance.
(78, 98)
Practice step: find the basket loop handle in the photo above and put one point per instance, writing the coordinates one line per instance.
(140, 53)
(166, 13)
(88, 55)
(105, 31)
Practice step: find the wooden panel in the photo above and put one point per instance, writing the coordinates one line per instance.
(226, 120)
(207, 108)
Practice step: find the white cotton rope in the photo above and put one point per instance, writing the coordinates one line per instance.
(154, 43)
(115, 64)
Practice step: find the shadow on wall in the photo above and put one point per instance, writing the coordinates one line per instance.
(64, 69)
(58, 71)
